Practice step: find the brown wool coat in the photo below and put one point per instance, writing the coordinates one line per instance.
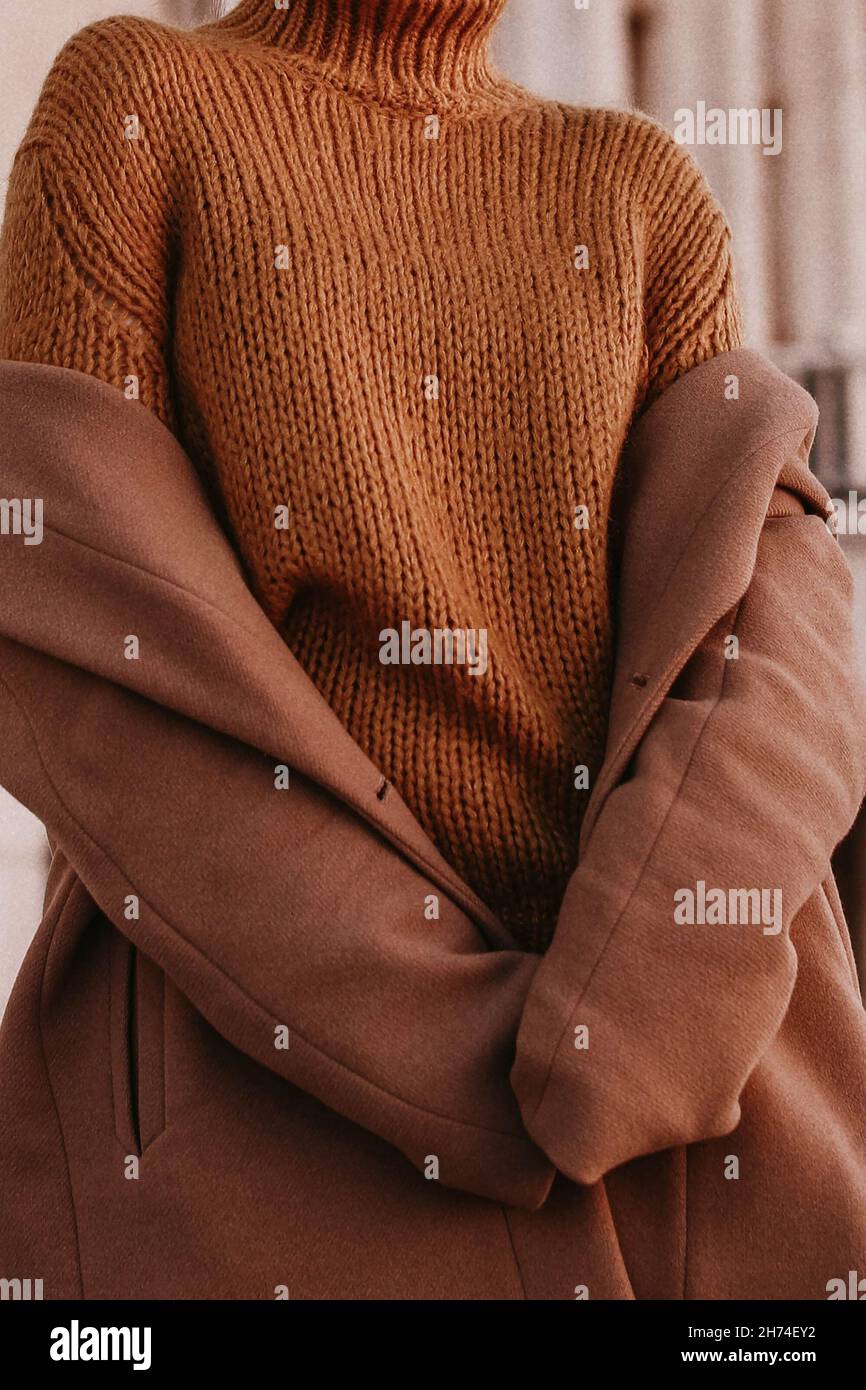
(607, 1169)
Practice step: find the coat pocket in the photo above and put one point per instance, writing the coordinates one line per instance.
(137, 1013)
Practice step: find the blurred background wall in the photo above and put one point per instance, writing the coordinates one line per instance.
(799, 217)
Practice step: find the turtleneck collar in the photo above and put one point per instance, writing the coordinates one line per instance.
(427, 53)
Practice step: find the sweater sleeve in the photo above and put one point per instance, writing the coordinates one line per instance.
(691, 309)
(85, 247)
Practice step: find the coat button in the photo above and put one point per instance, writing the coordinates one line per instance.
(640, 681)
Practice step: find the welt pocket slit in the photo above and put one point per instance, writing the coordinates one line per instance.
(137, 1007)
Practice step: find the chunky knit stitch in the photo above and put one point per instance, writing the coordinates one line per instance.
(341, 260)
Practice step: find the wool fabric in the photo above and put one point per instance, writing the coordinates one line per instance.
(401, 313)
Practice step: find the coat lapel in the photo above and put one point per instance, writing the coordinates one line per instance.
(130, 541)
(695, 482)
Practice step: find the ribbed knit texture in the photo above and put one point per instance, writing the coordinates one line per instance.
(302, 378)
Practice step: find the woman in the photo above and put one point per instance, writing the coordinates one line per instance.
(424, 376)
(401, 316)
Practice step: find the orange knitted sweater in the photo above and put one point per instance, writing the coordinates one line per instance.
(400, 312)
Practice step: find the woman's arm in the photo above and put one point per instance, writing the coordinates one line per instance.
(691, 309)
(85, 247)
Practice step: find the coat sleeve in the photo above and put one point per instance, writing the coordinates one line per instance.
(641, 1029)
(296, 932)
